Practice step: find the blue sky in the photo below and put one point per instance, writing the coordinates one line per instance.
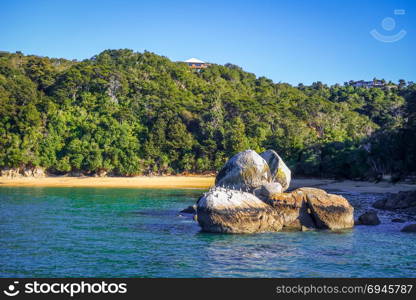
(289, 41)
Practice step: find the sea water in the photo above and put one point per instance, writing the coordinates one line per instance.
(108, 232)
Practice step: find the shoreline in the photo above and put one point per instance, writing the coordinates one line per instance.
(383, 187)
(195, 182)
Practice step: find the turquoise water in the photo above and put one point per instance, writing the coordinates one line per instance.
(84, 232)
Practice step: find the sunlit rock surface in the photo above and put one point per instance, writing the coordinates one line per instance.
(231, 211)
(248, 198)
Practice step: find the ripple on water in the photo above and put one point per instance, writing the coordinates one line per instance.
(60, 232)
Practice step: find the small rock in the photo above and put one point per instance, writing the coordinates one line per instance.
(191, 209)
(244, 171)
(409, 228)
(329, 211)
(38, 172)
(249, 197)
(27, 172)
(398, 220)
(279, 171)
(368, 218)
(304, 228)
(268, 189)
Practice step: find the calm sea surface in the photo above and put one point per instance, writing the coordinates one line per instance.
(85, 232)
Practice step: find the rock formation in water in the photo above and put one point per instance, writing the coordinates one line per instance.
(248, 198)
(409, 228)
(278, 169)
(23, 171)
(230, 211)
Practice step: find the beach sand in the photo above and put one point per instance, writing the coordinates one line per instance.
(168, 182)
(202, 182)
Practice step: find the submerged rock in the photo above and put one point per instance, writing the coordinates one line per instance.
(246, 171)
(368, 218)
(278, 169)
(327, 211)
(268, 189)
(402, 200)
(397, 220)
(409, 228)
(230, 211)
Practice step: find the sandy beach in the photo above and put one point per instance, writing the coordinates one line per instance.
(169, 182)
(201, 182)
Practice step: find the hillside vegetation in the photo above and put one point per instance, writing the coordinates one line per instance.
(127, 113)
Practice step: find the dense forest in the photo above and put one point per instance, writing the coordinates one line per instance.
(127, 113)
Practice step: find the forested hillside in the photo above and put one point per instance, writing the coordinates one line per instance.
(127, 113)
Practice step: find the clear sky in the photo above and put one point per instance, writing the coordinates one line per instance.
(290, 41)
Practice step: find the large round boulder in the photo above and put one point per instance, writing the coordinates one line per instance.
(268, 189)
(230, 211)
(244, 171)
(278, 169)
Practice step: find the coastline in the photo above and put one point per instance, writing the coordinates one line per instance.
(165, 182)
(195, 182)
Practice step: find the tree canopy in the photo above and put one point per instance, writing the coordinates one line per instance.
(128, 113)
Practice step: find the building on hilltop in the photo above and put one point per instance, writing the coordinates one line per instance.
(368, 84)
(195, 63)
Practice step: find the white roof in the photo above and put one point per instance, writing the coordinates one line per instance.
(194, 60)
